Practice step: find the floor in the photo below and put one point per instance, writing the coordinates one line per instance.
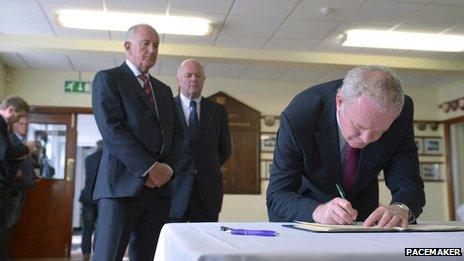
(76, 253)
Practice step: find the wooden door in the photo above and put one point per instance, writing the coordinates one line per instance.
(44, 229)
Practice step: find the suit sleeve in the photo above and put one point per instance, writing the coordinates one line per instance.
(10, 152)
(177, 136)
(283, 199)
(109, 115)
(402, 171)
(224, 142)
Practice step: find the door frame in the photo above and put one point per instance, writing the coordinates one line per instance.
(68, 116)
(449, 164)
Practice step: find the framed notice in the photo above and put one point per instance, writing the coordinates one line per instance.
(433, 146)
(419, 145)
(266, 169)
(268, 141)
(430, 171)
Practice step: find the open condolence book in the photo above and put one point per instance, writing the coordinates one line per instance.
(316, 227)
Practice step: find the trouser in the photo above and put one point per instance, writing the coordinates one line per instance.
(5, 217)
(90, 214)
(17, 204)
(196, 212)
(131, 221)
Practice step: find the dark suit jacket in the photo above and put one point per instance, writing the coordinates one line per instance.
(134, 137)
(91, 168)
(26, 166)
(307, 161)
(211, 151)
(8, 158)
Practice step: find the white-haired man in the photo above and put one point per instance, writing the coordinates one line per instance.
(333, 141)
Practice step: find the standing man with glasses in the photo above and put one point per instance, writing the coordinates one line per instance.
(338, 136)
(197, 184)
(142, 135)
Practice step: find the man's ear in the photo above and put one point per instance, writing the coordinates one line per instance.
(339, 101)
(127, 45)
(10, 109)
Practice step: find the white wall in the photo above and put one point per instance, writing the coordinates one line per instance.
(2, 80)
(449, 93)
(425, 102)
(41, 87)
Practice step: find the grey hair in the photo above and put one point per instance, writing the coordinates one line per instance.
(377, 82)
(190, 60)
(130, 32)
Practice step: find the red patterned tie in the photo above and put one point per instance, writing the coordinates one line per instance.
(147, 88)
(350, 167)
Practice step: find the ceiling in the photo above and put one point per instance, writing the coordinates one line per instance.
(288, 40)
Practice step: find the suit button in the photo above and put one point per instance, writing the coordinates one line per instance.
(195, 172)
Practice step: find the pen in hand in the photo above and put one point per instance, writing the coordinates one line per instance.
(341, 191)
(343, 196)
(249, 232)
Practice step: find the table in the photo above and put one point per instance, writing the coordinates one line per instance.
(205, 241)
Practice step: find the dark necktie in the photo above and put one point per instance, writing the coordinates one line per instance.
(350, 167)
(193, 122)
(147, 89)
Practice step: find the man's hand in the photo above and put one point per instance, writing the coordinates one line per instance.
(19, 174)
(158, 176)
(387, 216)
(23, 157)
(337, 211)
(32, 146)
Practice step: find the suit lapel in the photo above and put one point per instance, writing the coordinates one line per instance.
(129, 75)
(328, 142)
(205, 111)
(158, 100)
(180, 111)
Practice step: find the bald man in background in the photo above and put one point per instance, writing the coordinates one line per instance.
(197, 182)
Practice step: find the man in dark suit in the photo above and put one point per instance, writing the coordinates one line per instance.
(142, 136)
(197, 183)
(25, 173)
(342, 134)
(89, 206)
(11, 110)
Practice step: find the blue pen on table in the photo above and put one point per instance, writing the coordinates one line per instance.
(250, 232)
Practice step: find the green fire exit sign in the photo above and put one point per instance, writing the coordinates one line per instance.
(77, 86)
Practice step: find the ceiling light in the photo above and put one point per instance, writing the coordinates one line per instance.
(118, 21)
(404, 40)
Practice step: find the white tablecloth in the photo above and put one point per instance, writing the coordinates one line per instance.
(205, 241)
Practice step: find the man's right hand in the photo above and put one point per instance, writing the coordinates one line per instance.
(19, 174)
(32, 146)
(338, 211)
(158, 176)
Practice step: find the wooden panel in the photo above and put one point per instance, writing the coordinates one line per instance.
(41, 231)
(241, 172)
(44, 229)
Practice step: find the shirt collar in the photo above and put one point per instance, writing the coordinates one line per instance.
(186, 101)
(342, 140)
(20, 137)
(134, 69)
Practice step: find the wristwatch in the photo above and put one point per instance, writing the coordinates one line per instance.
(411, 217)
